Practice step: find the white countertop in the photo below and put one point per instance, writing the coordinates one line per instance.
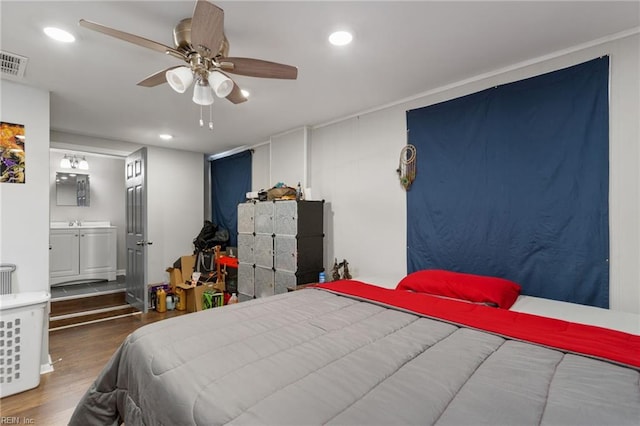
(85, 224)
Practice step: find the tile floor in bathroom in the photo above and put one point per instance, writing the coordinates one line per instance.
(88, 288)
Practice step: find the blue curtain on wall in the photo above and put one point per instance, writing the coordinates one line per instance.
(230, 182)
(513, 182)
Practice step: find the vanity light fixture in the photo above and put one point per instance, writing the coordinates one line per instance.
(165, 136)
(72, 162)
(59, 34)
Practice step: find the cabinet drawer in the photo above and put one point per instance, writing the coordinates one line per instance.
(286, 218)
(246, 279)
(286, 253)
(284, 280)
(263, 250)
(264, 281)
(245, 248)
(245, 217)
(263, 218)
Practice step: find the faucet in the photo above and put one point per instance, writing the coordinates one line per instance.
(74, 223)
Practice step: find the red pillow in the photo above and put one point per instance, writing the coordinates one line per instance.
(469, 287)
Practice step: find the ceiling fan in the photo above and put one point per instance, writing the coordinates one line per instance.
(200, 42)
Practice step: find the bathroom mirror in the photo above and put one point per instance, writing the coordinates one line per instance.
(72, 189)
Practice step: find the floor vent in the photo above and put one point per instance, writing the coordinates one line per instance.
(12, 64)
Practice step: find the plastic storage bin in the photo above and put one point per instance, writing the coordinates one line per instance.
(21, 325)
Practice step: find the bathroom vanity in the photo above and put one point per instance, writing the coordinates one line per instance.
(82, 251)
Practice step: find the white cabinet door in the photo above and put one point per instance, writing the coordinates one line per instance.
(64, 254)
(97, 250)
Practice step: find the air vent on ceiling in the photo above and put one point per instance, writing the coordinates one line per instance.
(12, 64)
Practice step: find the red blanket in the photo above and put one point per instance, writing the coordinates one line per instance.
(583, 339)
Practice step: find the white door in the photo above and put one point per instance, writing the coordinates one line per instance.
(136, 229)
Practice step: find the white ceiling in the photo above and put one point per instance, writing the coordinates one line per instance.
(400, 49)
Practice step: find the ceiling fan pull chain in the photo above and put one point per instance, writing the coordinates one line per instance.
(210, 117)
(201, 120)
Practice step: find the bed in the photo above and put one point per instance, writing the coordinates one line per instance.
(351, 353)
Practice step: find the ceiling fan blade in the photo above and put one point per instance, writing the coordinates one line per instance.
(236, 95)
(156, 78)
(131, 38)
(207, 28)
(258, 68)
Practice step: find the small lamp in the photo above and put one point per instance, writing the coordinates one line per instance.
(222, 85)
(202, 93)
(179, 78)
(65, 163)
(82, 164)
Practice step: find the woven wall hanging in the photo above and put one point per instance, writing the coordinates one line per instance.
(407, 166)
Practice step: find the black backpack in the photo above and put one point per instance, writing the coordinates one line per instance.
(210, 236)
(206, 238)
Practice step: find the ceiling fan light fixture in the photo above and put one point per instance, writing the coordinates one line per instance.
(221, 84)
(179, 78)
(202, 93)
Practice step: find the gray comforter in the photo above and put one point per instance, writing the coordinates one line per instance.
(313, 357)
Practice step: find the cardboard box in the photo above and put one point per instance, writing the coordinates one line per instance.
(187, 264)
(175, 277)
(194, 294)
(182, 270)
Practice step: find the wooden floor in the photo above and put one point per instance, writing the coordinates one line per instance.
(82, 353)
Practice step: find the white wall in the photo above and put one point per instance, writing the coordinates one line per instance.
(24, 208)
(352, 165)
(260, 168)
(107, 196)
(352, 168)
(288, 158)
(175, 205)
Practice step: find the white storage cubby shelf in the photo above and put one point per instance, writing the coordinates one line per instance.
(280, 245)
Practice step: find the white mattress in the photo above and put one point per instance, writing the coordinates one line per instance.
(616, 320)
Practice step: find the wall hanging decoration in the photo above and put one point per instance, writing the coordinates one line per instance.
(12, 165)
(407, 166)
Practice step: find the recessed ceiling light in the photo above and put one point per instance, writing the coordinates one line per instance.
(166, 136)
(59, 35)
(245, 93)
(340, 38)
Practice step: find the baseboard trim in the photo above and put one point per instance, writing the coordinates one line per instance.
(92, 311)
(95, 321)
(47, 368)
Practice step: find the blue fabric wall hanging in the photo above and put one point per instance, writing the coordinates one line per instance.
(514, 183)
(230, 182)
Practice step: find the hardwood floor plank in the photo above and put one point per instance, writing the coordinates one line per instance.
(82, 353)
